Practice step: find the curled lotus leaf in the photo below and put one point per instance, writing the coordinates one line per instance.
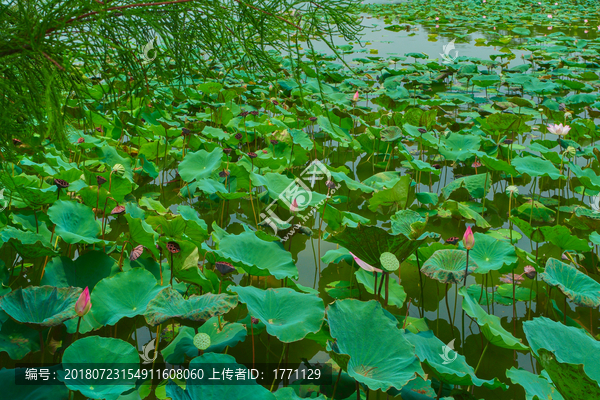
(169, 303)
(448, 266)
(41, 306)
(577, 286)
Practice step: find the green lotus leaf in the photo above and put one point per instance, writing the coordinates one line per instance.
(123, 295)
(226, 335)
(11, 390)
(288, 393)
(75, 223)
(398, 195)
(477, 185)
(521, 31)
(107, 353)
(409, 223)
(255, 256)
(17, 339)
(287, 314)
(111, 156)
(396, 295)
(485, 80)
(41, 306)
(194, 389)
(536, 386)
(87, 270)
(490, 324)
(200, 164)
(535, 211)
(281, 187)
(28, 244)
(448, 266)
(196, 229)
(536, 167)
(354, 324)
(170, 304)
(491, 254)
(562, 237)
(569, 356)
(430, 350)
(391, 133)
(577, 286)
(351, 183)
(459, 147)
(369, 242)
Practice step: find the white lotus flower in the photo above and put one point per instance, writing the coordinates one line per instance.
(559, 129)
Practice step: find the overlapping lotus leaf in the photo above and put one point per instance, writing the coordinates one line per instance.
(169, 303)
(287, 314)
(222, 335)
(536, 386)
(86, 270)
(17, 339)
(354, 324)
(448, 266)
(576, 285)
(568, 355)
(75, 222)
(41, 306)
(235, 390)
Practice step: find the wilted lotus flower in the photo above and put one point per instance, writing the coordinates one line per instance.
(118, 210)
(330, 184)
(355, 97)
(508, 141)
(468, 239)
(83, 304)
(252, 154)
(238, 136)
(422, 130)
(507, 278)
(255, 113)
(274, 142)
(224, 267)
(312, 119)
(173, 247)
(476, 164)
(364, 265)
(61, 183)
(559, 129)
(227, 150)
(452, 240)
(530, 272)
(185, 132)
(80, 140)
(254, 320)
(100, 180)
(136, 253)
(224, 174)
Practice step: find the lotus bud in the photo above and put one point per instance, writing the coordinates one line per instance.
(294, 206)
(468, 239)
(355, 97)
(83, 304)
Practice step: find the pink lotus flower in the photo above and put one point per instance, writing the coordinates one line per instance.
(585, 31)
(559, 129)
(437, 18)
(364, 265)
(507, 278)
(530, 272)
(437, 26)
(585, 21)
(549, 15)
(355, 97)
(83, 304)
(484, 17)
(468, 239)
(599, 27)
(549, 28)
(294, 206)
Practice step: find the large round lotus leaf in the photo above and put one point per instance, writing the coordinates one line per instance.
(87, 270)
(360, 328)
(10, 390)
(490, 324)
(200, 164)
(490, 254)
(569, 356)
(170, 304)
(536, 167)
(17, 339)
(288, 393)
(577, 286)
(234, 390)
(409, 223)
(123, 295)
(429, 350)
(448, 266)
(534, 385)
(289, 315)
(75, 222)
(105, 353)
(256, 256)
(183, 344)
(41, 305)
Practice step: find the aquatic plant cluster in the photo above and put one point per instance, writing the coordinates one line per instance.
(332, 216)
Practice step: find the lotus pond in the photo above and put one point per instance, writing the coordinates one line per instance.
(414, 215)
